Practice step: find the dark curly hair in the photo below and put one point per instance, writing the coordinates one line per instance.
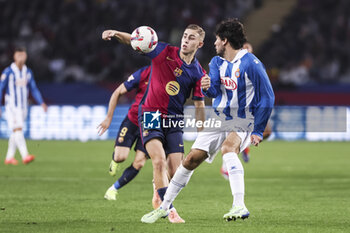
(233, 31)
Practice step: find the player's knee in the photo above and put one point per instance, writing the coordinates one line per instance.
(120, 157)
(229, 147)
(191, 162)
(139, 163)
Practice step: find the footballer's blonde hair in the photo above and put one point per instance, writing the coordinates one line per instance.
(199, 30)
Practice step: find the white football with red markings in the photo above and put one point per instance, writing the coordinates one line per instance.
(144, 39)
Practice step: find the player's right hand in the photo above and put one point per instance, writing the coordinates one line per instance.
(101, 128)
(205, 82)
(108, 34)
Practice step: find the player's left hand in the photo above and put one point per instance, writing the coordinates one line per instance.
(255, 139)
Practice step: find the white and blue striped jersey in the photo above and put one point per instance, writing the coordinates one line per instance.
(241, 88)
(17, 84)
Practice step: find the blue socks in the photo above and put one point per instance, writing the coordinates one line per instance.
(161, 193)
(128, 174)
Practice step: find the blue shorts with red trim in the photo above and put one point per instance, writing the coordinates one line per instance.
(129, 133)
(171, 138)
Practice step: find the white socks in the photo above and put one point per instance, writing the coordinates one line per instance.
(11, 150)
(179, 180)
(21, 143)
(236, 177)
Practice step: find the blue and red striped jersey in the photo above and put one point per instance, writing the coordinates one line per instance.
(139, 81)
(171, 81)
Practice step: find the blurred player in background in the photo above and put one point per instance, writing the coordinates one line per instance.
(175, 73)
(243, 99)
(17, 80)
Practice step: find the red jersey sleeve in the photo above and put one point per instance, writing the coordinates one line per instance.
(197, 90)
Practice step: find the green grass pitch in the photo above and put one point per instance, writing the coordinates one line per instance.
(290, 187)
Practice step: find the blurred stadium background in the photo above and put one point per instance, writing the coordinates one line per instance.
(305, 46)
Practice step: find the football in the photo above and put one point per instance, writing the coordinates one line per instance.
(144, 39)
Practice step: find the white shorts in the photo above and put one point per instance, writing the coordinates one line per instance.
(15, 117)
(211, 142)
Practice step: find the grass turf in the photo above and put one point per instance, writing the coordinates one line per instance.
(290, 187)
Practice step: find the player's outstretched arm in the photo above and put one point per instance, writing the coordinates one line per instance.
(122, 37)
(113, 101)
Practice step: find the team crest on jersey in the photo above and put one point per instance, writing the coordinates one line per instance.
(237, 73)
(177, 72)
(228, 83)
(172, 88)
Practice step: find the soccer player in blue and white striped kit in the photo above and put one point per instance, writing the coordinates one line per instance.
(243, 98)
(16, 81)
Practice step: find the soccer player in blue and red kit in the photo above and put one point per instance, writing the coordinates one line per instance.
(243, 99)
(175, 73)
(128, 132)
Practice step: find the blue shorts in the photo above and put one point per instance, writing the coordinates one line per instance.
(171, 138)
(129, 133)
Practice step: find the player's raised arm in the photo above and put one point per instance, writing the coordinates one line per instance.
(113, 101)
(122, 37)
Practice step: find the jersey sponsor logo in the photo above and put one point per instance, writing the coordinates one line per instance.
(131, 77)
(177, 72)
(172, 88)
(3, 76)
(228, 83)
